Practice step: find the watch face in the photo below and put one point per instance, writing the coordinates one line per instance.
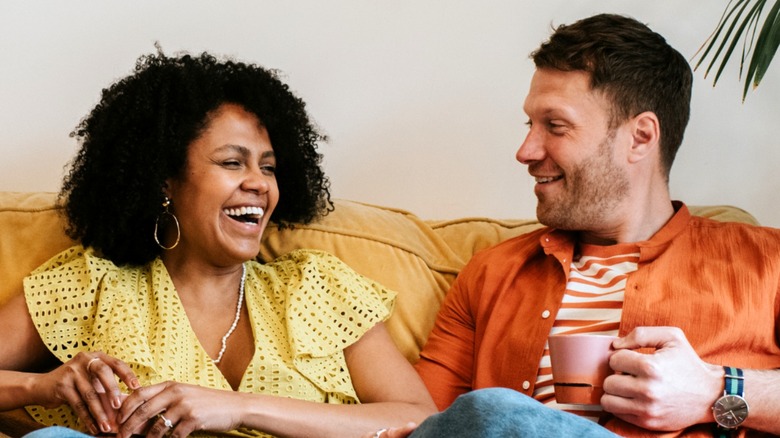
(730, 411)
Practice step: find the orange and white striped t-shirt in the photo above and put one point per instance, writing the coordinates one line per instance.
(592, 303)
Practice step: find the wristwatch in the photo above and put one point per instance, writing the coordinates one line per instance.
(731, 409)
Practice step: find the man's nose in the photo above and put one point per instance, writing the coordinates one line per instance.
(532, 148)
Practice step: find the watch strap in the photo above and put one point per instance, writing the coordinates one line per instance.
(722, 433)
(734, 385)
(735, 381)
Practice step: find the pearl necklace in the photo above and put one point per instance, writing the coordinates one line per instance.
(235, 320)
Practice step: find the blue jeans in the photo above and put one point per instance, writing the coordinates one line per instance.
(501, 412)
(56, 432)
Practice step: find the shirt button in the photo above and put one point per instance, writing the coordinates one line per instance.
(526, 384)
(546, 314)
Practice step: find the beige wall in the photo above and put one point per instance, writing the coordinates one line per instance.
(421, 99)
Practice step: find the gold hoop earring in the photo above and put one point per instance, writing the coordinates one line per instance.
(168, 216)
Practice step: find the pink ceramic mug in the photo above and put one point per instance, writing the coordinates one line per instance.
(580, 363)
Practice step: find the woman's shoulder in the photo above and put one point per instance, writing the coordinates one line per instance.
(301, 261)
(306, 255)
(72, 262)
(77, 270)
(317, 275)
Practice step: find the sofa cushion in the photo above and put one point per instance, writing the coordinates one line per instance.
(415, 258)
(468, 235)
(723, 213)
(31, 232)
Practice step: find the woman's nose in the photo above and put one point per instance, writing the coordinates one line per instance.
(256, 181)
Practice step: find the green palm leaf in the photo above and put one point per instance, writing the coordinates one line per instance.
(766, 47)
(740, 23)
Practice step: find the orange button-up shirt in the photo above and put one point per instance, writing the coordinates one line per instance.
(717, 281)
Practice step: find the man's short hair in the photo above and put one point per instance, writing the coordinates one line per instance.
(635, 68)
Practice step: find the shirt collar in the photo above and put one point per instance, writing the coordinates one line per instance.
(554, 240)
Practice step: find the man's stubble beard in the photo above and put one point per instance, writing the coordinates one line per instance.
(592, 191)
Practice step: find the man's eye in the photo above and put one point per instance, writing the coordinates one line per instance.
(557, 128)
(231, 163)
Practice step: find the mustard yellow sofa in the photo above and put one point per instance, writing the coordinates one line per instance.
(417, 258)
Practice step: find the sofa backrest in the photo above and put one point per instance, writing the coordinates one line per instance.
(31, 231)
(416, 258)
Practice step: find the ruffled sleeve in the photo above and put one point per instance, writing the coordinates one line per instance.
(63, 295)
(328, 307)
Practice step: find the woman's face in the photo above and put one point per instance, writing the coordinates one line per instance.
(227, 192)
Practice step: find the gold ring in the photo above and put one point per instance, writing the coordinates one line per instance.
(166, 421)
(89, 364)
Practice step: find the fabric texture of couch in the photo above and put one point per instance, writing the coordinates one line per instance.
(417, 258)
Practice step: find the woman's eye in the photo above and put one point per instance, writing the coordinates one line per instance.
(268, 169)
(231, 163)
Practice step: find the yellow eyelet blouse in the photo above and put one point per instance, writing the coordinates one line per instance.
(305, 308)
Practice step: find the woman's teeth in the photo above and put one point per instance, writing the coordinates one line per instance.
(245, 214)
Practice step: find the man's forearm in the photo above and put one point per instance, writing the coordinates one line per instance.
(763, 397)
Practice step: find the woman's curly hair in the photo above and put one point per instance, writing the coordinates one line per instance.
(137, 136)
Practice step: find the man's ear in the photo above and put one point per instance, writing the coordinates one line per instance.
(646, 134)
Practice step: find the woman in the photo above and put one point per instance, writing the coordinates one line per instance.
(182, 166)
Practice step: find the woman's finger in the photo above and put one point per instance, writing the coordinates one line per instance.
(121, 370)
(97, 394)
(139, 411)
(85, 400)
(163, 424)
(104, 369)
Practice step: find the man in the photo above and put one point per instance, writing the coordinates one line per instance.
(607, 107)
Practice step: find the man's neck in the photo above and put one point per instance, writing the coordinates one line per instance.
(636, 224)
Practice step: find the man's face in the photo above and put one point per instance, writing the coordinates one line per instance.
(572, 153)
